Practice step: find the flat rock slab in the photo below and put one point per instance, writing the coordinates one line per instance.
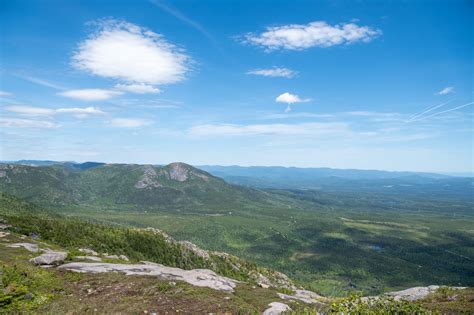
(276, 308)
(416, 293)
(28, 246)
(196, 277)
(91, 258)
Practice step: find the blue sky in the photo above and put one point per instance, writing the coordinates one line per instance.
(363, 84)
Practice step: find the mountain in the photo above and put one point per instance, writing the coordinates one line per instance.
(177, 185)
(348, 180)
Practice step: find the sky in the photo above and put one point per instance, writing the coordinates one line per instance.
(344, 84)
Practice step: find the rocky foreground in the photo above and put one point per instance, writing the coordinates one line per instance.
(280, 294)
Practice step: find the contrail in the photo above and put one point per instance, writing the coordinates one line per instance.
(429, 109)
(444, 111)
(180, 16)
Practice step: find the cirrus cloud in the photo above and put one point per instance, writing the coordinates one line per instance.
(136, 88)
(7, 122)
(310, 129)
(274, 72)
(90, 94)
(4, 93)
(130, 53)
(314, 34)
(42, 111)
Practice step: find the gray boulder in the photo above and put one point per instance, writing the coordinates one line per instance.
(49, 258)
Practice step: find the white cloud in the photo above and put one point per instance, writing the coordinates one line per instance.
(80, 111)
(130, 122)
(41, 111)
(274, 72)
(25, 123)
(314, 34)
(30, 110)
(138, 88)
(446, 90)
(3, 94)
(289, 98)
(90, 94)
(311, 129)
(128, 52)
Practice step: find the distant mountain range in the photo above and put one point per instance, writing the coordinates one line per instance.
(426, 185)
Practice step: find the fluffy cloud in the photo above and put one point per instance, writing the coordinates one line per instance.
(130, 122)
(90, 94)
(138, 88)
(130, 53)
(274, 72)
(25, 123)
(41, 111)
(310, 129)
(3, 94)
(314, 34)
(446, 90)
(289, 98)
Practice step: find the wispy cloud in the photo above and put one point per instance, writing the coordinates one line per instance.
(40, 81)
(6, 122)
(314, 34)
(280, 72)
(42, 111)
(90, 94)
(376, 116)
(130, 122)
(4, 93)
(446, 90)
(138, 88)
(313, 129)
(127, 52)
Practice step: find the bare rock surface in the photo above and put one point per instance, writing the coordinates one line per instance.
(28, 246)
(149, 178)
(304, 296)
(91, 258)
(276, 308)
(195, 249)
(416, 293)
(49, 258)
(196, 277)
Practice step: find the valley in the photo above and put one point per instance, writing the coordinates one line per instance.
(332, 243)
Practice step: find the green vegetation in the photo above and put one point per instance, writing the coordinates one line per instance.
(331, 243)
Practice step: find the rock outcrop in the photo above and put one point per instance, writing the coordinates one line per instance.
(416, 293)
(196, 277)
(49, 258)
(149, 178)
(28, 246)
(276, 308)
